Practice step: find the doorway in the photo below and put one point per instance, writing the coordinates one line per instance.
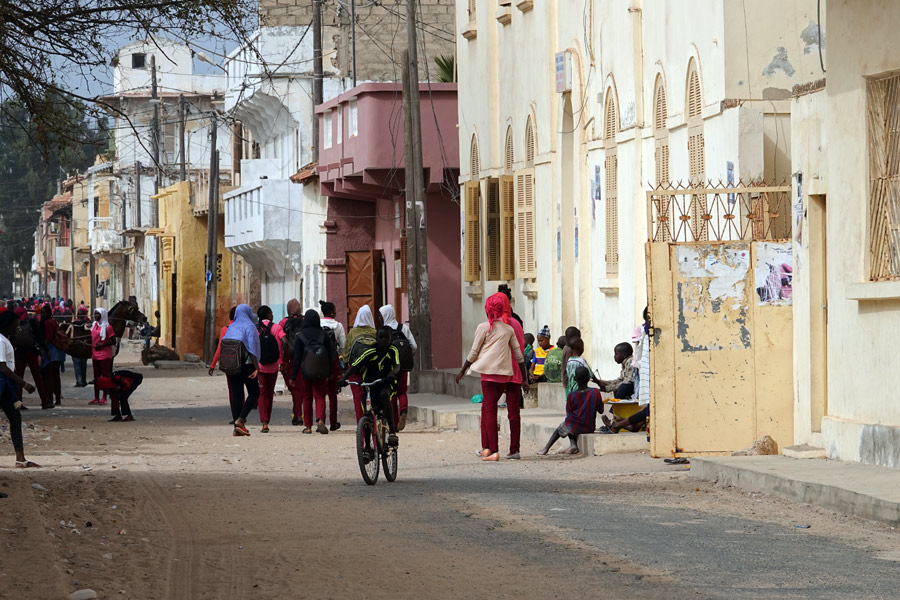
(818, 312)
(365, 281)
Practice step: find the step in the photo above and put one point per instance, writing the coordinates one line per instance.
(439, 410)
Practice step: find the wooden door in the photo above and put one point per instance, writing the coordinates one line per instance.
(364, 281)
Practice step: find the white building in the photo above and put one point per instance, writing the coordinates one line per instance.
(274, 223)
(184, 104)
(569, 112)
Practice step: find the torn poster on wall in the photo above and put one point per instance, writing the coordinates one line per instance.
(595, 194)
(774, 273)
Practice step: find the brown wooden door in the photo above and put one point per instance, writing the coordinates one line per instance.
(364, 282)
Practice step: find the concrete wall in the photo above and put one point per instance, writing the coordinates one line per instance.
(380, 34)
(862, 419)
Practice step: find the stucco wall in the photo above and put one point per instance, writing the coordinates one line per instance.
(858, 390)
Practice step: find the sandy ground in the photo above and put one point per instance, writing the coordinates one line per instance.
(173, 506)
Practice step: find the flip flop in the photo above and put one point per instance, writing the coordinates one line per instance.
(27, 464)
(677, 461)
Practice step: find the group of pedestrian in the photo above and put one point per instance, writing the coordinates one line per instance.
(313, 352)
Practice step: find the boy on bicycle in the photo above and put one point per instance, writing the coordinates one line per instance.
(380, 362)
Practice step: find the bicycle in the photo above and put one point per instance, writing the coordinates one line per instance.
(371, 442)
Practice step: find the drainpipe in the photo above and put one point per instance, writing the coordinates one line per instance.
(640, 202)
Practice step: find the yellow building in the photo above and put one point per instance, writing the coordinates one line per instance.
(183, 239)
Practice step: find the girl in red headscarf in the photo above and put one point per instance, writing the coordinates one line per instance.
(497, 354)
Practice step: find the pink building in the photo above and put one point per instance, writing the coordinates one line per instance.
(361, 171)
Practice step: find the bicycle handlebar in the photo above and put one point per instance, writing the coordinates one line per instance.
(366, 385)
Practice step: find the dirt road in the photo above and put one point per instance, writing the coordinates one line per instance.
(172, 506)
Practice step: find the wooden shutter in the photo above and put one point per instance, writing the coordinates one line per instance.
(472, 232)
(530, 145)
(404, 258)
(526, 266)
(507, 227)
(612, 214)
(492, 192)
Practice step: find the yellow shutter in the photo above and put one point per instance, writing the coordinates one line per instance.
(526, 266)
(473, 231)
(493, 229)
(612, 214)
(507, 227)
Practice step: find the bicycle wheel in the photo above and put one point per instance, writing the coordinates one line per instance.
(367, 449)
(389, 460)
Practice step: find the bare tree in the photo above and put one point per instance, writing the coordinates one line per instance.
(46, 42)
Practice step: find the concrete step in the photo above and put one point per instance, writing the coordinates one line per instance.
(538, 424)
(865, 491)
(552, 396)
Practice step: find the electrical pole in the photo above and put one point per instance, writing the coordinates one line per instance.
(416, 236)
(353, 37)
(212, 248)
(182, 114)
(318, 73)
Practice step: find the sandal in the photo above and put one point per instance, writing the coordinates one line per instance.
(27, 464)
(116, 419)
(265, 428)
(128, 419)
(238, 432)
(94, 401)
(307, 430)
(321, 428)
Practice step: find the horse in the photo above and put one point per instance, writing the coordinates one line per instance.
(80, 345)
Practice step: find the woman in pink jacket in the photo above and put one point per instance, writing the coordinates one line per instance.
(103, 344)
(494, 352)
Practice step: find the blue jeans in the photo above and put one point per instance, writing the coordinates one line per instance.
(80, 365)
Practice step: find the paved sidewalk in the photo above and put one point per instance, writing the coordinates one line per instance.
(864, 491)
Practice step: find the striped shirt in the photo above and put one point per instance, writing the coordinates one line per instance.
(581, 410)
(540, 355)
(377, 365)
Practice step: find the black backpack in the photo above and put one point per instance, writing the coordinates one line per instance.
(24, 338)
(268, 345)
(291, 329)
(232, 357)
(404, 350)
(316, 361)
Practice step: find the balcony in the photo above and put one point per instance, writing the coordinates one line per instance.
(104, 237)
(263, 224)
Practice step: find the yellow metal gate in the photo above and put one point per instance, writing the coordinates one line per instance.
(721, 357)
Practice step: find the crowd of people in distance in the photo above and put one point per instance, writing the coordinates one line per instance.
(31, 337)
(510, 361)
(315, 357)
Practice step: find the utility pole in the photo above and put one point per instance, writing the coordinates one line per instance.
(417, 253)
(155, 135)
(182, 113)
(137, 193)
(212, 248)
(318, 73)
(353, 37)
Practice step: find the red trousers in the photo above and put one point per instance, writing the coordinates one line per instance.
(32, 361)
(267, 383)
(357, 392)
(491, 391)
(310, 389)
(401, 399)
(102, 368)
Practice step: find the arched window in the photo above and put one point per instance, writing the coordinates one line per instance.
(472, 233)
(508, 155)
(696, 147)
(530, 144)
(660, 132)
(474, 160)
(610, 129)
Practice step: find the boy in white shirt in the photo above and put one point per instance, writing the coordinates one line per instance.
(9, 383)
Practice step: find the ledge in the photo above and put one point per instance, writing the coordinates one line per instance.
(474, 290)
(609, 286)
(504, 15)
(470, 32)
(874, 290)
(525, 5)
(530, 288)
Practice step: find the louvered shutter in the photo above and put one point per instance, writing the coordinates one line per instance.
(507, 227)
(612, 214)
(493, 229)
(472, 232)
(404, 257)
(526, 266)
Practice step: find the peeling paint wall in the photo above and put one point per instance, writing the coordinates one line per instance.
(721, 357)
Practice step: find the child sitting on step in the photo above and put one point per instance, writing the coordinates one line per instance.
(582, 407)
